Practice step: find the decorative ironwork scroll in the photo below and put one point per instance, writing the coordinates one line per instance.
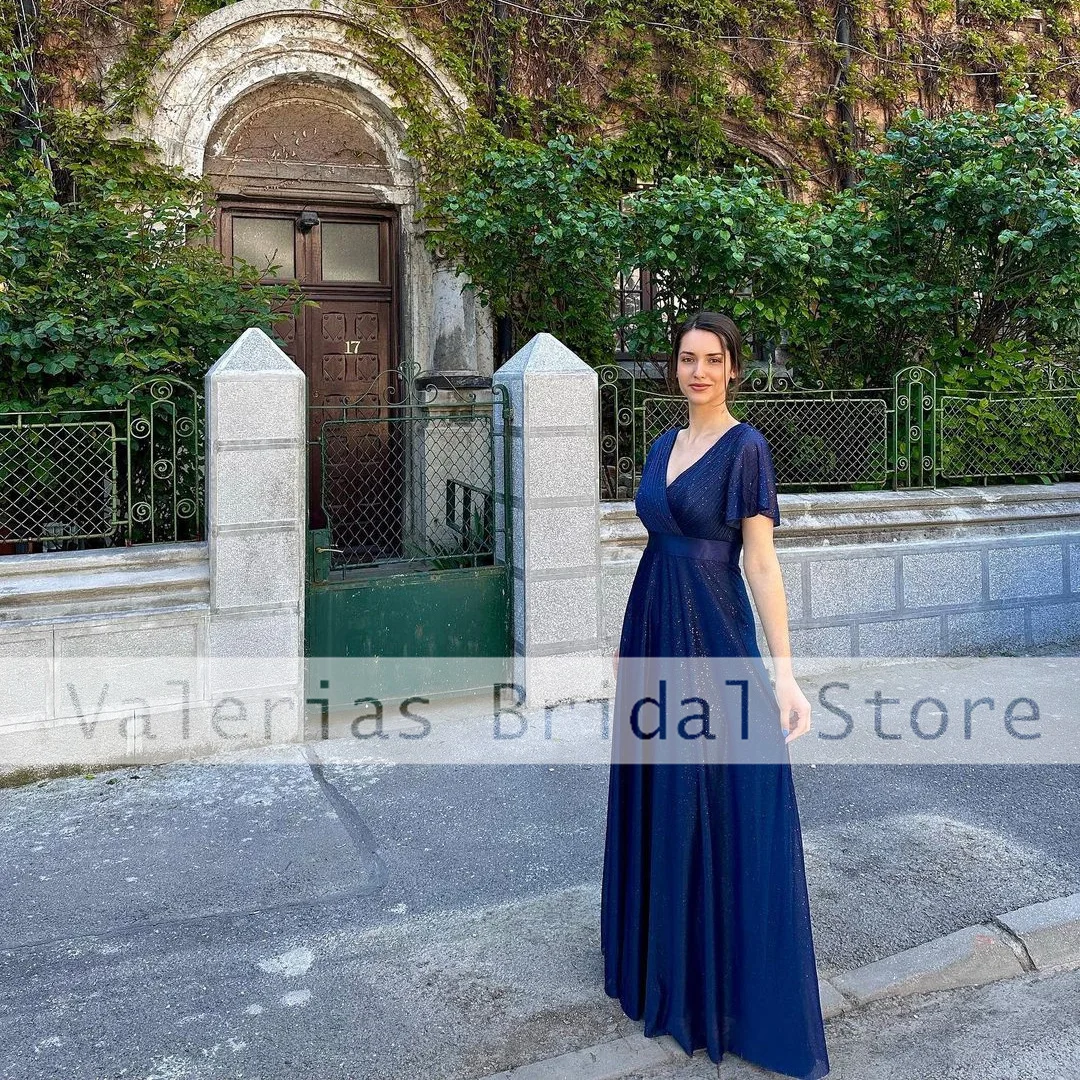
(133, 474)
(912, 434)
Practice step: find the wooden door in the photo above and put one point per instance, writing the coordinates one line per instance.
(346, 343)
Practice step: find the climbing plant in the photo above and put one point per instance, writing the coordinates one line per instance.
(774, 189)
(103, 278)
(537, 230)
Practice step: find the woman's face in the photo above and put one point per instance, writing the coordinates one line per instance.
(704, 367)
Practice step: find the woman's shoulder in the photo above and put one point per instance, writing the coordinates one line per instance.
(744, 432)
(752, 436)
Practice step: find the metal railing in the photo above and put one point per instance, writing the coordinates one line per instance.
(405, 479)
(76, 478)
(908, 435)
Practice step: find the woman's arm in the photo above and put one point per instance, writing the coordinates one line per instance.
(761, 569)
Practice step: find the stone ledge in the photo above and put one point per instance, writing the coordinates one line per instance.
(102, 558)
(822, 519)
(141, 578)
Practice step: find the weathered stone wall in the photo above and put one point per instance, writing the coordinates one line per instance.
(946, 572)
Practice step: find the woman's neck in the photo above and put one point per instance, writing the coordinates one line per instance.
(708, 419)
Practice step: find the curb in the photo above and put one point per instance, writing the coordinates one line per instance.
(1039, 937)
(624, 1055)
(1050, 931)
(605, 1061)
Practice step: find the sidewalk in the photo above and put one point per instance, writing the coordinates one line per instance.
(1022, 1029)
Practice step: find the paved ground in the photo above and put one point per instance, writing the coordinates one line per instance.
(354, 921)
(1021, 1029)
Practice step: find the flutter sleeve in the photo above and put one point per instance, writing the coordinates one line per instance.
(751, 487)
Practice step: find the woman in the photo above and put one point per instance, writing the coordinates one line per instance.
(705, 920)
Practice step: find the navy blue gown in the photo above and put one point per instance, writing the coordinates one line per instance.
(705, 917)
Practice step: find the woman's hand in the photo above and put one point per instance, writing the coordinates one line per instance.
(792, 700)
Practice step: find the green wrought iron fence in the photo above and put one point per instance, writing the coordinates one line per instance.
(908, 435)
(410, 484)
(78, 478)
(989, 437)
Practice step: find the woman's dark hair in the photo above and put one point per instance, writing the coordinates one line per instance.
(726, 330)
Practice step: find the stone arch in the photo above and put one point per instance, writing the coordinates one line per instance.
(303, 131)
(253, 43)
(250, 58)
(770, 150)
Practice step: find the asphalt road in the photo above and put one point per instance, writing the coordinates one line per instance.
(431, 921)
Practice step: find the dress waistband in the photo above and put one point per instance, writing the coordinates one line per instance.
(695, 547)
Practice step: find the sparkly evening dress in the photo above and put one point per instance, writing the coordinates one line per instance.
(705, 917)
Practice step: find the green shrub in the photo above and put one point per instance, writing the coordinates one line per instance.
(106, 273)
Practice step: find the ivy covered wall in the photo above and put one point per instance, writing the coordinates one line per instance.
(758, 154)
(680, 81)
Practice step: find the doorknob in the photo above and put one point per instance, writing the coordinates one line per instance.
(338, 550)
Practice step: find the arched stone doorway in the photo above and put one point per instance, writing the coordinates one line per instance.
(281, 104)
(302, 184)
(283, 109)
(280, 97)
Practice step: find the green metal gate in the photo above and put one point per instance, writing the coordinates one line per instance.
(408, 563)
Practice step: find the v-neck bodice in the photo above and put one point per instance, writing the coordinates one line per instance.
(701, 457)
(733, 479)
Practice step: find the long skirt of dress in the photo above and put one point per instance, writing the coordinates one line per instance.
(705, 916)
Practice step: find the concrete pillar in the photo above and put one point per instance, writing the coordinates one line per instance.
(555, 496)
(256, 502)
